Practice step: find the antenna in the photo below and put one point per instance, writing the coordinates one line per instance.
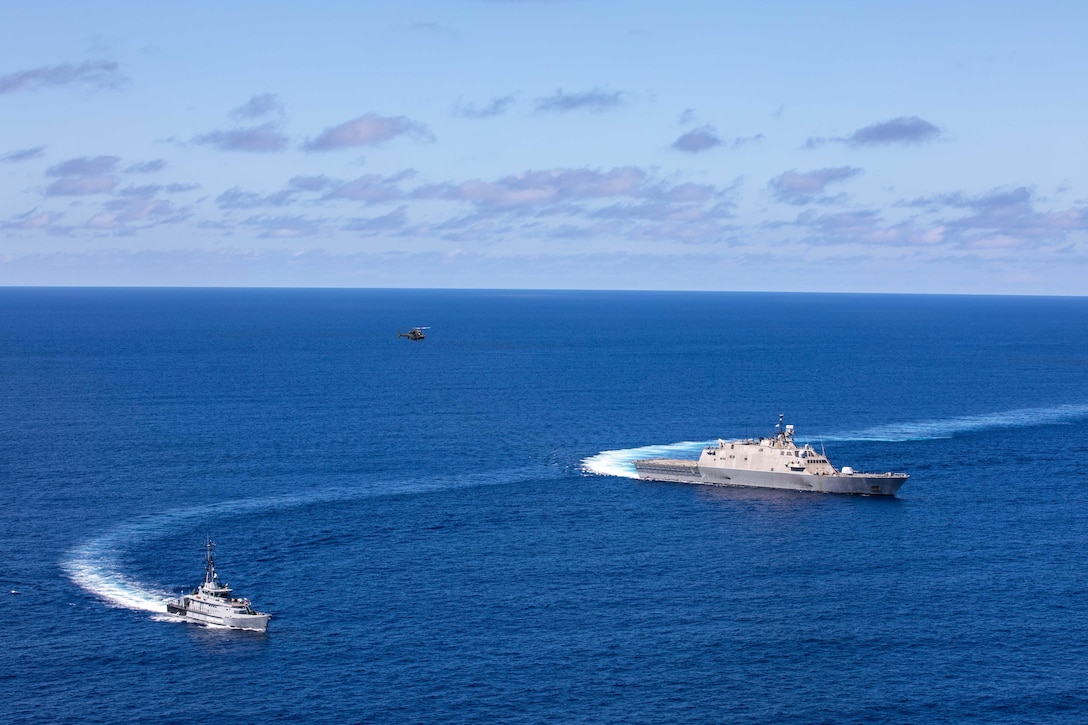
(209, 566)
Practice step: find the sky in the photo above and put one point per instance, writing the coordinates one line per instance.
(909, 147)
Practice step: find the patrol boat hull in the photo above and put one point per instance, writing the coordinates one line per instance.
(217, 615)
(773, 462)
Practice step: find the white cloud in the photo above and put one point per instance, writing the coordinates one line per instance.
(795, 187)
(594, 101)
(265, 138)
(367, 130)
(98, 73)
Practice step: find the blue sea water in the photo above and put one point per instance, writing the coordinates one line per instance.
(449, 531)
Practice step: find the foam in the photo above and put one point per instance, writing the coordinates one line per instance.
(621, 462)
(93, 575)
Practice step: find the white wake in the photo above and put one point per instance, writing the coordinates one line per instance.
(951, 427)
(95, 566)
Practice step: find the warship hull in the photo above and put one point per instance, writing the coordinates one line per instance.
(685, 471)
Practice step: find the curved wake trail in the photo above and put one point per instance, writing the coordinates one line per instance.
(951, 427)
(621, 462)
(94, 566)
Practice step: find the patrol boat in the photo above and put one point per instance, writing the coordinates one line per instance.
(212, 603)
(775, 462)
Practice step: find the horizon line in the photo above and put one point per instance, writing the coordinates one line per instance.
(537, 289)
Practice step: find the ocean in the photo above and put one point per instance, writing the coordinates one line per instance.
(449, 530)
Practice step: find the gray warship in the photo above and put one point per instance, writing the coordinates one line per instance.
(212, 603)
(773, 462)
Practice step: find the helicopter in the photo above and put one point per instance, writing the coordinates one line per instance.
(416, 333)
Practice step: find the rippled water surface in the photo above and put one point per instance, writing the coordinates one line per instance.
(450, 530)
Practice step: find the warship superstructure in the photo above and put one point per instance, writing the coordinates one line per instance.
(771, 462)
(213, 603)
